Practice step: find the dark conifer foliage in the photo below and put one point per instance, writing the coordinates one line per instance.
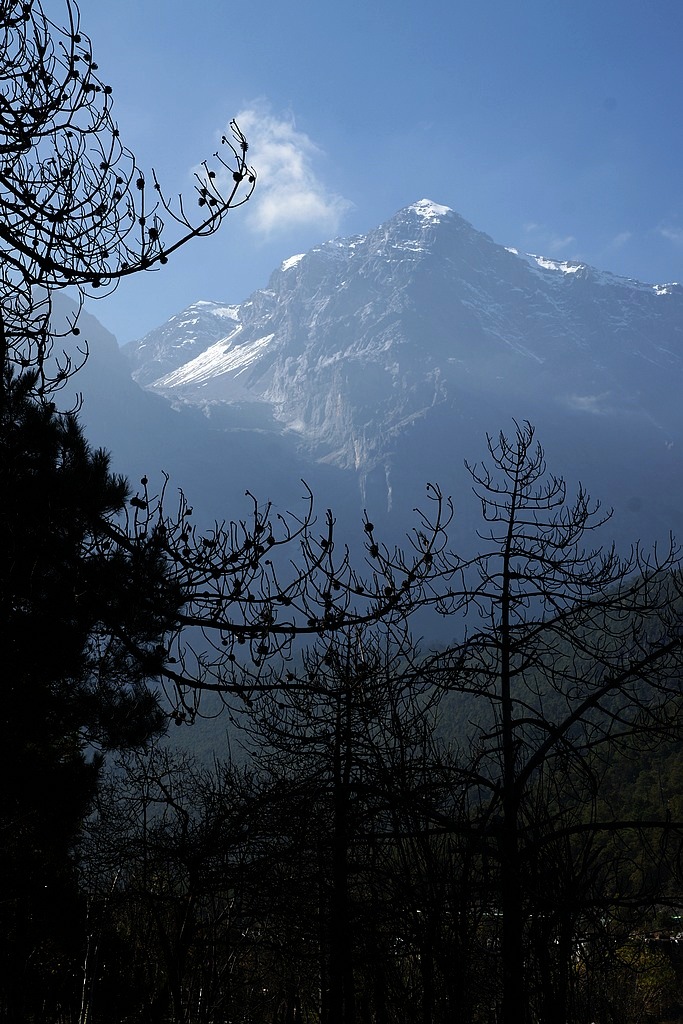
(69, 606)
(82, 618)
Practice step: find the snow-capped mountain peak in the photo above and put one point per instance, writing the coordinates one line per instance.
(355, 342)
(429, 210)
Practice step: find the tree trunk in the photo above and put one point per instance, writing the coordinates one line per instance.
(342, 986)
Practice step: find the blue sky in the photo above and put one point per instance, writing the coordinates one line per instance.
(556, 128)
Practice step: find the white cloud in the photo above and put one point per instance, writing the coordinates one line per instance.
(288, 192)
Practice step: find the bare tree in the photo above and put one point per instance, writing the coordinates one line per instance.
(347, 740)
(75, 209)
(573, 652)
(171, 868)
(501, 864)
(252, 591)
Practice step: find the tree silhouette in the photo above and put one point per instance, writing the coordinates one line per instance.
(69, 605)
(380, 878)
(574, 652)
(344, 744)
(254, 590)
(171, 866)
(82, 619)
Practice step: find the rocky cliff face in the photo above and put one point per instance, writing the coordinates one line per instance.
(383, 352)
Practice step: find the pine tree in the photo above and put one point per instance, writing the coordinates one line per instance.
(70, 607)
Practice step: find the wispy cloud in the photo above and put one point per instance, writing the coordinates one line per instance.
(545, 239)
(621, 239)
(598, 405)
(558, 244)
(673, 234)
(289, 193)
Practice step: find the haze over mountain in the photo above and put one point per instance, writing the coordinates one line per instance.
(389, 355)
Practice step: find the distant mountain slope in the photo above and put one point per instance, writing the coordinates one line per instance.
(213, 459)
(392, 353)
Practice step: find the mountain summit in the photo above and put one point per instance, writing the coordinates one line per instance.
(371, 346)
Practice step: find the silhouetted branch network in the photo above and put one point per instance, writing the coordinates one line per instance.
(256, 588)
(76, 210)
(574, 653)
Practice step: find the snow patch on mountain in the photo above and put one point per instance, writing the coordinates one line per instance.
(218, 359)
(226, 312)
(293, 261)
(566, 266)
